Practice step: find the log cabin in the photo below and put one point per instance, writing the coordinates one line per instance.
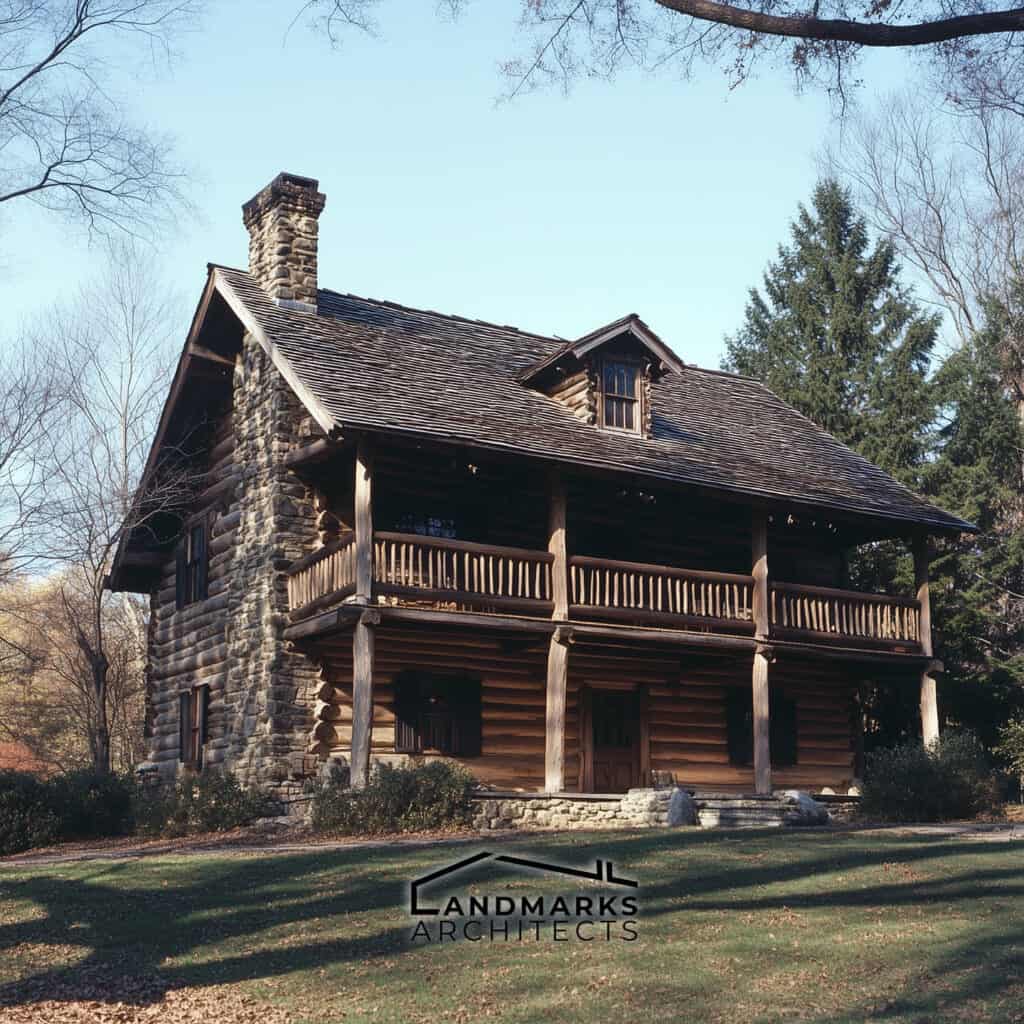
(575, 566)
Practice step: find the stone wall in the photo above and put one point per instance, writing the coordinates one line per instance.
(644, 808)
(270, 690)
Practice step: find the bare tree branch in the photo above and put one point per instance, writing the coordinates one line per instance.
(64, 144)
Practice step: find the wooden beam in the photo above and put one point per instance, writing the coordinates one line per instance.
(554, 729)
(312, 453)
(364, 519)
(762, 725)
(929, 695)
(198, 351)
(362, 699)
(557, 546)
(759, 676)
(759, 570)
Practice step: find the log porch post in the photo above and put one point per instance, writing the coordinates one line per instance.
(558, 649)
(929, 696)
(554, 719)
(363, 633)
(759, 678)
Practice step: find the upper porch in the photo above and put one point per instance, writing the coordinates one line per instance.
(443, 532)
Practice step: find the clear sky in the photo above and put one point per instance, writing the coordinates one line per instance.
(556, 214)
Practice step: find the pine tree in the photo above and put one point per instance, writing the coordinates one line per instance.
(979, 580)
(838, 336)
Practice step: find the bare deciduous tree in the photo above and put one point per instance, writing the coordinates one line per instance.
(64, 142)
(111, 349)
(819, 40)
(946, 184)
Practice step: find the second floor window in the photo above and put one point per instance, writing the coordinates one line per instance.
(620, 395)
(192, 565)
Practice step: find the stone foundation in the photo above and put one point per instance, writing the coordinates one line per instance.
(639, 808)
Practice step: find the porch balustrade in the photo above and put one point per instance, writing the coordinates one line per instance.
(457, 575)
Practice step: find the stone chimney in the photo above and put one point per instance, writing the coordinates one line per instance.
(282, 224)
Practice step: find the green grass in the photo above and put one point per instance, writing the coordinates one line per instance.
(732, 927)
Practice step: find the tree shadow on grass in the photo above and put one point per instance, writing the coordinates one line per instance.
(156, 920)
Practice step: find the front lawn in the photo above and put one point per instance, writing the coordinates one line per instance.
(732, 927)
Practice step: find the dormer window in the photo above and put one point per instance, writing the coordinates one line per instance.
(620, 395)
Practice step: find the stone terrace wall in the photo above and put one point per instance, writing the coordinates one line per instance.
(647, 808)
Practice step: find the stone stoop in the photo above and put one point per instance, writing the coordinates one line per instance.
(726, 810)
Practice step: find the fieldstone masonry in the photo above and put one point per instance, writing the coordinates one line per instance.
(282, 220)
(269, 694)
(645, 808)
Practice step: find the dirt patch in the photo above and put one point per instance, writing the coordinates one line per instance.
(103, 997)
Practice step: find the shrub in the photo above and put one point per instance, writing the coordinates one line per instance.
(26, 817)
(1011, 750)
(418, 796)
(90, 804)
(950, 779)
(211, 801)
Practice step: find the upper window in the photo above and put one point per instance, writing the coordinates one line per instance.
(620, 395)
(193, 561)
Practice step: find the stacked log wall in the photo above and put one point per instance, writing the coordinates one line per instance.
(686, 708)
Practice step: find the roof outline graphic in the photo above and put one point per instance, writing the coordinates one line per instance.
(603, 871)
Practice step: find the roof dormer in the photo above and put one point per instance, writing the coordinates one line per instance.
(604, 378)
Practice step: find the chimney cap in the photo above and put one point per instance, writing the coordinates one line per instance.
(295, 189)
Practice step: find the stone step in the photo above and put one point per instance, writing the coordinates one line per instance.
(741, 822)
(742, 804)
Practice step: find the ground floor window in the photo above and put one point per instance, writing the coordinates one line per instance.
(192, 712)
(740, 724)
(437, 714)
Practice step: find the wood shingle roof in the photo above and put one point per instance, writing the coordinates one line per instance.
(363, 364)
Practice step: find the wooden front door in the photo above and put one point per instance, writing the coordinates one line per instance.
(615, 742)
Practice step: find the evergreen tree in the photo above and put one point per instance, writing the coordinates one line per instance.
(978, 583)
(838, 336)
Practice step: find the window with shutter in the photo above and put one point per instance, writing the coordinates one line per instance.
(191, 578)
(437, 715)
(783, 737)
(740, 726)
(193, 708)
(784, 730)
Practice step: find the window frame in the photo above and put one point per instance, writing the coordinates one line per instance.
(784, 728)
(604, 395)
(192, 567)
(415, 724)
(193, 714)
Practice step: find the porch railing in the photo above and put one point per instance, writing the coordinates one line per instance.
(634, 591)
(436, 571)
(822, 612)
(453, 571)
(326, 576)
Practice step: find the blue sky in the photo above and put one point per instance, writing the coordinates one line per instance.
(556, 214)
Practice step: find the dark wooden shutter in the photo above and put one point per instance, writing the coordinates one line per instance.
(201, 557)
(202, 697)
(468, 717)
(740, 726)
(407, 710)
(180, 576)
(783, 730)
(184, 725)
